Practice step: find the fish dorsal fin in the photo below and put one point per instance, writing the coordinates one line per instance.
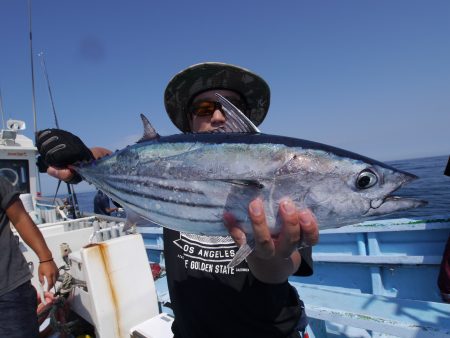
(236, 121)
(149, 132)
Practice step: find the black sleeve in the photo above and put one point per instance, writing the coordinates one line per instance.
(8, 193)
(306, 266)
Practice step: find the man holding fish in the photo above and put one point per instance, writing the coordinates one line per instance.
(209, 297)
(224, 172)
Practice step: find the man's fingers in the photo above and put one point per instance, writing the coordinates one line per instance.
(42, 133)
(264, 245)
(51, 274)
(52, 282)
(62, 174)
(309, 227)
(233, 229)
(290, 232)
(47, 144)
(298, 227)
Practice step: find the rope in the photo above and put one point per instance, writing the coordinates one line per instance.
(44, 313)
(66, 284)
(57, 310)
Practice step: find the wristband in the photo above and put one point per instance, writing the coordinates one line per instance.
(45, 261)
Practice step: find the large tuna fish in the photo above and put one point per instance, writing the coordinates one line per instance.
(186, 182)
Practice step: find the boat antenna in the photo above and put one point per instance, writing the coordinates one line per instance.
(1, 109)
(44, 69)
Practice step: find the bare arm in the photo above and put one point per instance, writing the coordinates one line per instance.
(34, 239)
(111, 209)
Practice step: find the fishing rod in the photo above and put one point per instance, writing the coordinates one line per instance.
(70, 189)
(32, 69)
(1, 109)
(44, 69)
(33, 91)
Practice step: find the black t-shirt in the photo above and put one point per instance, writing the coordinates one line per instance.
(211, 300)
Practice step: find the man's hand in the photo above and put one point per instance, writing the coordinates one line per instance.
(50, 271)
(276, 258)
(58, 149)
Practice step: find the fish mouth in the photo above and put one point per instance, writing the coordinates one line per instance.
(392, 203)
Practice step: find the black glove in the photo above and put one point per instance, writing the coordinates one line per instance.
(41, 164)
(59, 148)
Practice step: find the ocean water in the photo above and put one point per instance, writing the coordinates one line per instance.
(432, 186)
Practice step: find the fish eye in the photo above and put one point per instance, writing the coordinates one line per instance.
(366, 179)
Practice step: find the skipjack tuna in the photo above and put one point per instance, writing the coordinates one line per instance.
(186, 182)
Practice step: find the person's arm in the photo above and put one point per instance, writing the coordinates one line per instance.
(276, 258)
(110, 210)
(34, 239)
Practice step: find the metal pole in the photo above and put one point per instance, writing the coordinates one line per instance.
(33, 87)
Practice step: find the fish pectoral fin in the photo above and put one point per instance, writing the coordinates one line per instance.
(246, 183)
(133, 220)
(128, 226)
(243, 252)
(149, 132)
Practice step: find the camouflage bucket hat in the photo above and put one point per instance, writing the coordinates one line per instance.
(215, 75)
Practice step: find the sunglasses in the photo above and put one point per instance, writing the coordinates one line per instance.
(207, 108)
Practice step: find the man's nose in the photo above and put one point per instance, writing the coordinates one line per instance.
(217, 117)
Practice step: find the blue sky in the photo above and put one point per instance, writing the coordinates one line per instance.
(368, 76)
